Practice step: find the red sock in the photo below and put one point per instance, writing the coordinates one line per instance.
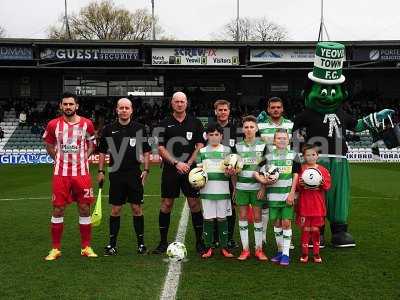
(86, 234)
(315, 238)
(305, 237)
(56, 234)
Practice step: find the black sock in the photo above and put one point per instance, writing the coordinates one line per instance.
(163, 222)
(138, 224)
(231, 224)
(197, 220)
(114, 229)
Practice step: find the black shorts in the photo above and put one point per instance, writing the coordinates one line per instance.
(172, 183)
(125, 187)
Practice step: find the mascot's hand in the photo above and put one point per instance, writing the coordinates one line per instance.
(262, 117)
(383, 114)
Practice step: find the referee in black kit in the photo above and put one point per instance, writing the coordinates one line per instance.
(125, 141)
(180, 138)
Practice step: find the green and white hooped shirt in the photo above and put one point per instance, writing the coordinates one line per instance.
(252, 155)
(267, 130)
(278, 192)
(211, 159)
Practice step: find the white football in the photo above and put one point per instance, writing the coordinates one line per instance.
(312, 177)
(198, 178)
(272, 172)
(233, 161)
(176, 251)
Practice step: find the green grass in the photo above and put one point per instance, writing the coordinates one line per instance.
(369, 271)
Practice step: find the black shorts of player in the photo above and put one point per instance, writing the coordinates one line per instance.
(172, 183)
(125, 187)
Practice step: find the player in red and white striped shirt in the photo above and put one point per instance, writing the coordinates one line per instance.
(70, 141)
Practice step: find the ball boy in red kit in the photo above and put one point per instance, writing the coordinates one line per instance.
(311, 207)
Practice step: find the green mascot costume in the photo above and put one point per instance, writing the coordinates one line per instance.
(325, 123)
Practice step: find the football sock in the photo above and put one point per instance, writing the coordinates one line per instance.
(265, 219)
(57, 227)
(85, 228)
(208, 232)
(114, 229)
(305, 237)
(315, 239)
(278, 238)
(258, 234)
(197, 220)
(231, 224)
(223, 232)
(287, 237)
(138, 224)
(215, 231)
(163, 221)
(244, 233)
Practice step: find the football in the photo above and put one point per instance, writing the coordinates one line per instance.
(176, 251)
(272, 172)
(233, 161)
(312, 177)
(198, 178)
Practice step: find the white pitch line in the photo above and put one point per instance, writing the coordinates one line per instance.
(175, 268)
(48, 197)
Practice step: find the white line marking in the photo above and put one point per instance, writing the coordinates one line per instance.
(49, 197)
(175, 268)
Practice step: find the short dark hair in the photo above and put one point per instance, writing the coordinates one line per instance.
(281, 130)
(308, 147)
(222, 102)
(274, 100)
(212, 127)
(249, 118)
(69, 95)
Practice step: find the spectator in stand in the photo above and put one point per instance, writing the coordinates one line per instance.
(1, 134)
(22, 118)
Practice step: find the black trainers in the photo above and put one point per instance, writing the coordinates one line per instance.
(142, 249)
(161, 248)
(232, 245)
(200, 247)
(110, 251)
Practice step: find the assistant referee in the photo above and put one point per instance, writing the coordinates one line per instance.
(125, 141)
(180, 138)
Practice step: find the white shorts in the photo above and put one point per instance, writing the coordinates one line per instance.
(216, 208)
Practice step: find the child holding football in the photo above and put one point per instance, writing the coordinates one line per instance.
(215, 195)
(252, 151)
(280, 192)
(311, 208)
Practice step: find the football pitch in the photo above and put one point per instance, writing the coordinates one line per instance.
(369, 271)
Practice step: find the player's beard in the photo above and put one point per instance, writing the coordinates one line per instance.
(69, 114)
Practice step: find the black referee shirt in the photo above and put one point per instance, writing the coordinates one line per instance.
(180, 138)
(125, 143)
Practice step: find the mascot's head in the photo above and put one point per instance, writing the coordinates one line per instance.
(325, 91)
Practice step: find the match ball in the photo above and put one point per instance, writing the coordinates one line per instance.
(198, 178)
(272, 172)
(312, 177)
(233, 161)
(176, 251)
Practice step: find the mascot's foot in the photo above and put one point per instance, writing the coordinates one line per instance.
(340, 237)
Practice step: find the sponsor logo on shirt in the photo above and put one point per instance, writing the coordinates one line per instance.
(69, 148)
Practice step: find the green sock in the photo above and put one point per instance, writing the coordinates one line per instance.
(223, 232)
(208, 230)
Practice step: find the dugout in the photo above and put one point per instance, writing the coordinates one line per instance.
(244, 73)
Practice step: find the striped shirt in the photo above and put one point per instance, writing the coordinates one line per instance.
(211, 159)
(252, 155)
(267, 130)
(278, 192)
(72, 143)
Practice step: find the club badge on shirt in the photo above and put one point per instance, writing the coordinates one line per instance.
(132, 142)
(231, 142)
(189, 135)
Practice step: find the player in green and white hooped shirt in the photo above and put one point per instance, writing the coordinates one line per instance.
(252, 151)
(215, 195)
(268, 123)
(280, 193)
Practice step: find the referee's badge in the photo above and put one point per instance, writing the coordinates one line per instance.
(231, 142)
(189, 135)
(132, 142)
